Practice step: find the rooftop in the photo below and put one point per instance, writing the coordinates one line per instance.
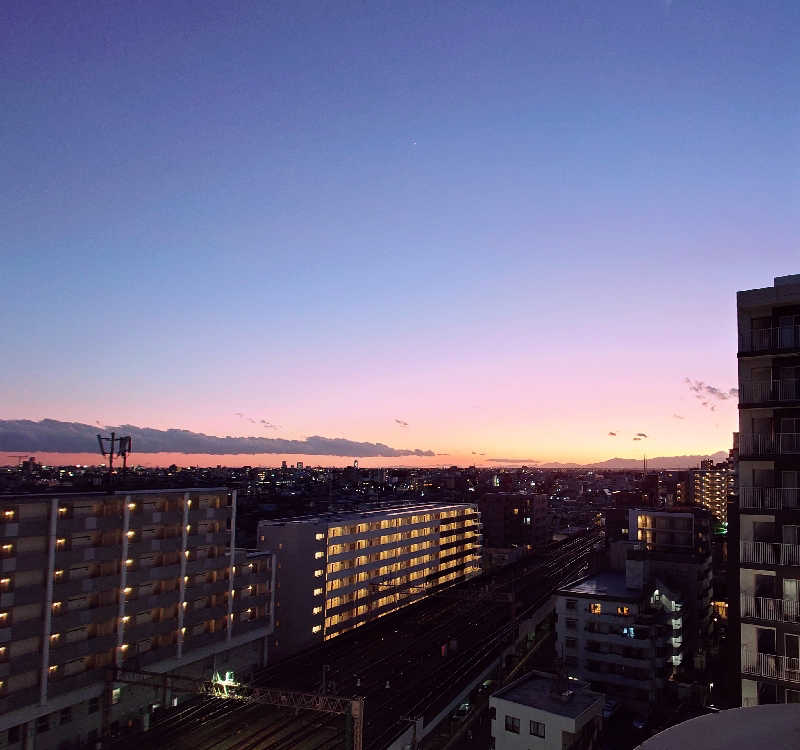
(385, 511)
(609, 584)
(30, 497)
(775, 726)
(541, 690)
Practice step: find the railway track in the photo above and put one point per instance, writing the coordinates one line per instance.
(403, 650)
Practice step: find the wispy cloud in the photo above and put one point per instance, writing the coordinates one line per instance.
(401, 422)
(612, 434)
(677, 416)
(640, 435)
(706, 393)
(51, 435)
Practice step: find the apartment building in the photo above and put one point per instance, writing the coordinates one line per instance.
(711, 487)
(675, 547)
(338, 571)
(622, 633)
(546, 712)
(767, 520)
(512, 519)
(142, 581)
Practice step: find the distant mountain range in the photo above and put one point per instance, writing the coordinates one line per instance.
(657, 462)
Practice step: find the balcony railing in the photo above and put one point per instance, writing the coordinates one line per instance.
(769, 498)
(774, 610)
(761, 392)
(770, 339)
(771, 666)
(769, 445)
(769, 553)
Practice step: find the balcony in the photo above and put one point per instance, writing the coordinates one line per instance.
(769, 498)
(773, 610)
(766, 340)
(773, 667)
(769, 445)
(769, 553)
(769, 391)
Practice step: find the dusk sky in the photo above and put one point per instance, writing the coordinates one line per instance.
(513, 226)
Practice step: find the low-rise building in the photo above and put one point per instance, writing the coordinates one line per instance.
(138, 581)
(546, 712)
(337, 571)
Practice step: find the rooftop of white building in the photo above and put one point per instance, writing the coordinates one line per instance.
(369, 514)
(610, 584)
(546, 692)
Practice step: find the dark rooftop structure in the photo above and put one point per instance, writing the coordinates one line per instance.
(547, 692)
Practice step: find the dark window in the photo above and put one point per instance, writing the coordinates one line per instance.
(572, 604)
(94, 705)
(572, 624)
(512, 724)
(42, 724)
(14, 734)
(66, 715)
(493, 712)
(572, 642)
(537, 729)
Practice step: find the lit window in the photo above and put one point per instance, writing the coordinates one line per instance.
(61, 543)
(317, 592)
(132, 506)
(316, 628)
(56, 607)
(53, 668)
(58, 573)
(116, 695)
(62, 511)
(318, 555)
(131, 534)
(129, 561)
(127, 590)
(595, 608)
(9, 515)
(316, 610)
(318, 573)
(319, 536)
(625, 611)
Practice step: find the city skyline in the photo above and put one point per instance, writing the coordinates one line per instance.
(460, 229)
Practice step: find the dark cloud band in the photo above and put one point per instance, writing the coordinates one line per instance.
(50, 435)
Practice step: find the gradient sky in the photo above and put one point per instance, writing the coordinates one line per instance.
(515, 226)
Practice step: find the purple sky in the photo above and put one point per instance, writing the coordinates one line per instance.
(514, 226)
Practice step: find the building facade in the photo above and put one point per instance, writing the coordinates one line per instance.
(711, 487)
(621, 633)
(767, 522)
(515, 520)
(339, 571)
(546, 712)
(675, 547)
(141, 581)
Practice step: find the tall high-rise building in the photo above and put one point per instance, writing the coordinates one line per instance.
(767, 519)
(711, 486)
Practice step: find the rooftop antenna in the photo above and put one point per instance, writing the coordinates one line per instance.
(123, 446)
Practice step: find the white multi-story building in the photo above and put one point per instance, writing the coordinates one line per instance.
(622, 632)
(338, 571)
(544, 712)
(767, 520)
